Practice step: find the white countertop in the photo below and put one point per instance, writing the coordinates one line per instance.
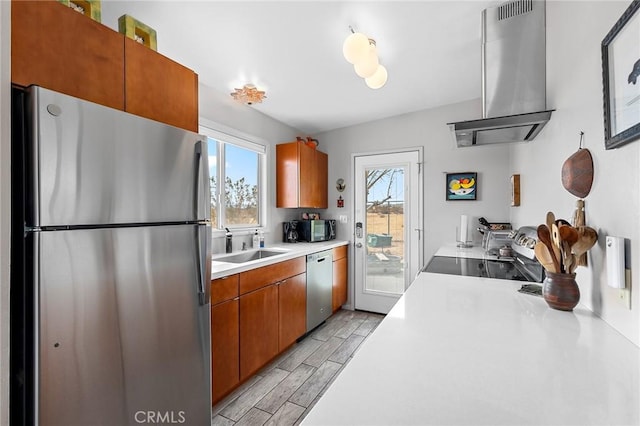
(474, 351)
(219, 268)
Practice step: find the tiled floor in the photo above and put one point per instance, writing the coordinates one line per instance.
(285, 390)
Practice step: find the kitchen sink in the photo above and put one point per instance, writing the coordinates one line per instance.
(248, 256)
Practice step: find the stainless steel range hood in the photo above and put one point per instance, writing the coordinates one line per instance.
(513, 76)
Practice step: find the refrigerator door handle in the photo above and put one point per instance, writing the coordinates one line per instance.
(196, 183)
(204, 263)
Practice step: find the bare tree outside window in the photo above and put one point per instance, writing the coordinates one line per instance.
(385, 211)
(241, 196)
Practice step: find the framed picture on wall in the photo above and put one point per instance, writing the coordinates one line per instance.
(621, 79)
(462, 186)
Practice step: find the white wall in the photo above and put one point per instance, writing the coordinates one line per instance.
(574, 88)
(249, 121)
(5, 202)
(427, 129)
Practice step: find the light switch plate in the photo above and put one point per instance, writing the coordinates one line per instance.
(624, 294)
(343, 218)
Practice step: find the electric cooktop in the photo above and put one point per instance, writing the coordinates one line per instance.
(484, 268)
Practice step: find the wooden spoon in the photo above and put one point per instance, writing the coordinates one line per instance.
(544, 235)
(551, 218)
(557, 245)
(544, 257)
(569, 236)
(587, 237)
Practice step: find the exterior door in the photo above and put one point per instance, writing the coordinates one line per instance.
(388, 220)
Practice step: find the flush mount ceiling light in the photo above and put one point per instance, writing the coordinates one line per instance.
(249, 95)
(361, 51)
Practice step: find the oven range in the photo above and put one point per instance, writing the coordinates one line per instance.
(523, 266)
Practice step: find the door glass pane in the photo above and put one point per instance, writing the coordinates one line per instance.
(385, 226)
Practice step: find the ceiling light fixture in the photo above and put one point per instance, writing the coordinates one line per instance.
(249, 95)
(361, 51)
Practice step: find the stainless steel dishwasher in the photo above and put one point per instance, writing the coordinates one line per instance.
(319, 287)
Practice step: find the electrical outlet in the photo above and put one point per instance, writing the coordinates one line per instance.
(624, 294)
(343, 218)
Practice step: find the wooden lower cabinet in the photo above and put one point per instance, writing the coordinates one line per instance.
(258, 329)
(255, 315)
(225, 350)
(292, 310)
(340, 277)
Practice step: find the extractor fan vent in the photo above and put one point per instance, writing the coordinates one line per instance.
(514, 8)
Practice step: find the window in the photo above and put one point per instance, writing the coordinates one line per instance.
(239, 163)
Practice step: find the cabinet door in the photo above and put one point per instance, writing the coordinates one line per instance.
(340, 272)
(158, 88)
(287, 178)
(322, 177)
(225, 348)
(313, 177)
(292, 310)
(58, 48)
(258, 329)
(308, 176)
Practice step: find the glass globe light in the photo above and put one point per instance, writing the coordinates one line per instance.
(378, 79)
(367, 66)
(355, 47)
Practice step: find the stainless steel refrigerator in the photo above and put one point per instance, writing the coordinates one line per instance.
(110, 320)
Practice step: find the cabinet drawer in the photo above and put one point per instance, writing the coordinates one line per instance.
(225, 288)
(340, 252)
(260, 277)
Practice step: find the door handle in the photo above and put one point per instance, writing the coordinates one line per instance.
(196, 183)
(359, 245)
(203, 266)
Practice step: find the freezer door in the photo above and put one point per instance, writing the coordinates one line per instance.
(93, 165)
(122, 334)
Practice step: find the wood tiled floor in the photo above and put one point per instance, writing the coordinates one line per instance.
(285, 390)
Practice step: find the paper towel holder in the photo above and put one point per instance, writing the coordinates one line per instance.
(462, 234)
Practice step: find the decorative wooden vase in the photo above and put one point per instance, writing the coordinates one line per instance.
(561, 291)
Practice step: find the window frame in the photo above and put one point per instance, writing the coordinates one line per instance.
(224, 136)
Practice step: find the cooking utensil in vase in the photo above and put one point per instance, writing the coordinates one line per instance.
(587, 237)
(544, 236)
(551, 218)
(545, 257)
(569, 236)
(557, 246)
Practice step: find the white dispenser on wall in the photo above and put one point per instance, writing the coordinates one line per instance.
(615, 262)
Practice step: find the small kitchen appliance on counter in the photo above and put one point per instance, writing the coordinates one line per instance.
(290, 231)
(316, 230)
(522, 266)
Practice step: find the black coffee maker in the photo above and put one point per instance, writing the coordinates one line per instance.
(289, 231)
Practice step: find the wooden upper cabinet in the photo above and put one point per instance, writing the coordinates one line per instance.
(158, 88)
(301, 176)
(60, 49)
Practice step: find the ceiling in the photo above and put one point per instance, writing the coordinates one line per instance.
(293, 50)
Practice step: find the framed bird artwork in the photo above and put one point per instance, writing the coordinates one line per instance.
(621, 79)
